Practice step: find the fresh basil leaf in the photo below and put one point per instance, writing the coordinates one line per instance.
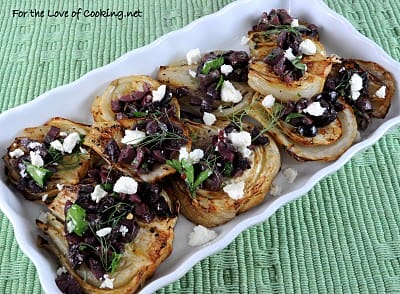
(116, 259)
(201, 178)
(220, 82)
(188, 170)
(293, 115)
(77, 216)
(175, 164)
(38, 174)
(212, 65)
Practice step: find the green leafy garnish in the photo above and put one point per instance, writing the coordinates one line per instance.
(139, 114)
(38, 174)
(108, 187)
(297, 64)
(115, 260)
(212, 65)
(293, 115)
(276, 29)
(220, 82)
(227, 169)
(185, 168)
(76, 215)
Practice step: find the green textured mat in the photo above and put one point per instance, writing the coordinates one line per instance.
(342, 237)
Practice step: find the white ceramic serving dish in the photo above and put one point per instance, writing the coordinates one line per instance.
(222, 30)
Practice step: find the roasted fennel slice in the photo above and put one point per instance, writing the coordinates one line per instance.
(108, 241)
(228, 172)
(132, 97)
(139, 147)
(40, 158)
(217, 84)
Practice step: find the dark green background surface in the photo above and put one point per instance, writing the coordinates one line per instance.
(341, 237)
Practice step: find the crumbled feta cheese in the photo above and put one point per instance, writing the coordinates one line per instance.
(314, 109)
(36, 159)
(63, 134)
(276, 190)
(294, 23)
(98, 193)
(194, 156)
(192, 73)
(268, 101)
(308, 47)
(16, 153)
(209, 118)
(193, 56)
(356, 84)
(103, 232)
(229, 93)
(70, 142)
(60, 187)
(244, 40)
(123, 230)
(44, 197)
(22, 172)
(159, 94)
(56, 144)
(83, 150)
(226, 69)
(290, 174)
(241, 140)
(108, 282)
(43, 217)
(70, 226)
(289, 54)
(33, 145)
(125, 185)
(201, 235)
(61, 270)
(381, 93)
(235, 190)
(133, 137)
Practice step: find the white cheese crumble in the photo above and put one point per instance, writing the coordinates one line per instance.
(308, 47)
(290, 174)
(83, 150)
(226, 69)
(133, 137)
(98, 193)
(356, 84)
(381, 93)
(60, 187)
(36, 159)
(268, 101)
(22, 172)
(17, 153)
(70, 142)
(125, 185)
(194, 156)
(294, 23)
(289, 54)
(63, 134)
(123, 230)
(241, 140)
(159, 94)
(193, 56)
(103, 232)
(244, 40)
(201, 235)
(192, 73)
(108, 282)
(56, 144)
(276, 190)
(314, 109)
(235, 190)
(61, 270)
(209, 118)
(229, 93)
(44, 197)
(33, 145)
(70, 226)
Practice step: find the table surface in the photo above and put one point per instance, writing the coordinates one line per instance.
(343, 236)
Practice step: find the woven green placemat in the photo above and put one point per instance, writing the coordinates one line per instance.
(342, 237)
